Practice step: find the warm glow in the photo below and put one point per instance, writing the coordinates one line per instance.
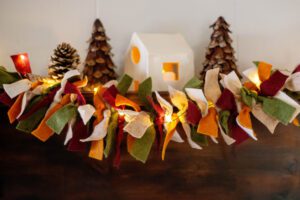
(135, 55)
(170, 71)
(255, 79)
(22, 57)
(48, 82)
(168, 118)
(96, 90)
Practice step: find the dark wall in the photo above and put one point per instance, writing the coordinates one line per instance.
(266, 169)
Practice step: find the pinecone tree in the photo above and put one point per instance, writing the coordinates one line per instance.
(220, 52)
(64, 59)
(99, 67)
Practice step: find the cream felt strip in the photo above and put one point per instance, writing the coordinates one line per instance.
(293, 82)
(214, 139)
(164, 104)
(100, 130)
(233, 83)
(86, 112)
(177, 138)
(197, 95)
(110, 83)
(227, 139)
(212, 89)
(247, 130)
(69, 134)
(284, 97)
(138, 125)
(129, 114)
(268, 121)
(187, 130)
(16, 88)
(69, 74)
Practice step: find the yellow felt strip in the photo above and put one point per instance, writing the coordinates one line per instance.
(96, 150)
(171, 127)
(208, 125)
(43, 132)
(15, 109)
(264, 71)
(123, 101)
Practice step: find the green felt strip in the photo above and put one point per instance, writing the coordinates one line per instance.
(141, 147)
(248, 97)
(111, 134)
(8, 77)
(193, 83)
(198, 138)
(145, 89)
(31, 123)
(223, 116)
(124, 84)
(60, 118)
(278, 109)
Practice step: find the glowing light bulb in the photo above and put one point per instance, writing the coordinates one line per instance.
(95, 90)
(168, 118)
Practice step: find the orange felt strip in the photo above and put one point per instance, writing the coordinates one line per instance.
(81, 83)
(14, 111)
(96, 150)
(296, 122)
(208, 125)
(43, 132)
(123, 101)
(251, 86)
(264, 71)
(35, 84)
(97, 147)
(171, 127)
(244, 117)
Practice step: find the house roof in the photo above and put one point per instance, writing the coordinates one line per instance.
(164, 44)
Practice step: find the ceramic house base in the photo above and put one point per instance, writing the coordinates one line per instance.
(167, 58)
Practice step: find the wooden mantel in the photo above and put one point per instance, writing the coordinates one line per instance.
(265, 169)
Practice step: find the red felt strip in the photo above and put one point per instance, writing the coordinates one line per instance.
(193, 115)
(110, 94)
(117, 159)
(71, 88)
(80, 131)
(159, 120)
(271, 86)
(227, 101)
(297, 69)
(6, 100)
(239, 134)
(46, 101)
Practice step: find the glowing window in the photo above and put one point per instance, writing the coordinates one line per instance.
(135, 55)
(170, 71)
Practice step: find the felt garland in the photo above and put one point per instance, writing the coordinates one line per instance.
(219, 109)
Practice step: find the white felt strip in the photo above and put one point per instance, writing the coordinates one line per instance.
(16, 88)
(197, 95)
(86, 112)
(100, 130)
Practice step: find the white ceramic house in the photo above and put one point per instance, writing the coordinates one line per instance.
(167, 58)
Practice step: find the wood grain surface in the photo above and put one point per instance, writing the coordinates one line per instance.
(266, 169)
